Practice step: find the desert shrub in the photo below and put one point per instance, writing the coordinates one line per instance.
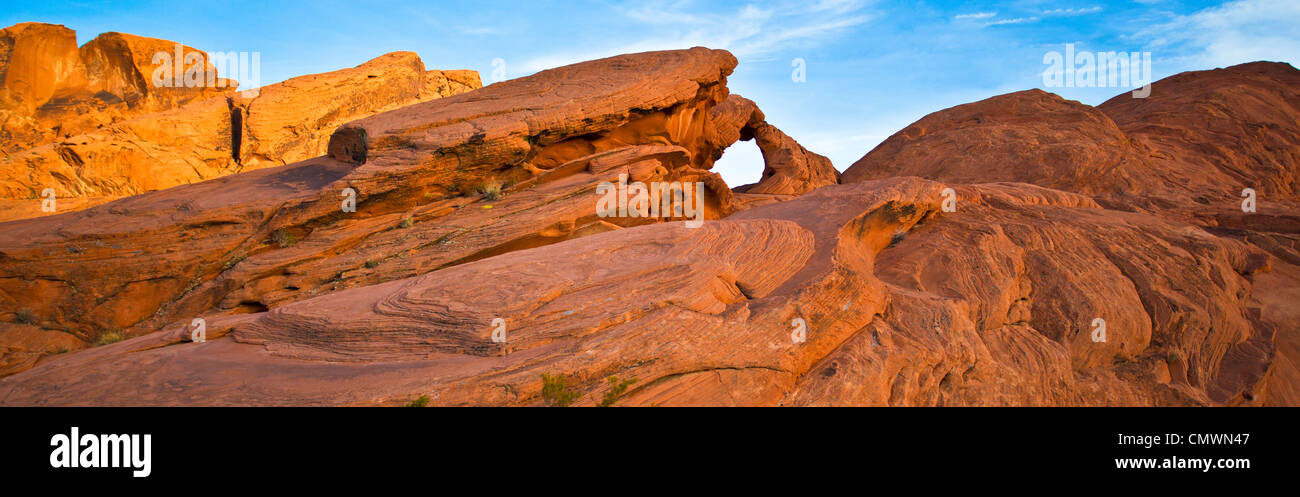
(491, 189)
(235, 259)
(616, 389)
(555, 392)
(423, 401)
(406, 223)
(109, 337)
(25, 316)
(283, 238)
(372, 263)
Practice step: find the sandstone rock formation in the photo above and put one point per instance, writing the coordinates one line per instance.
(885, 325)
(255, 240)
(476, 219)
(1185, 153)
(51, 89)
(788, 168)
(151, 138)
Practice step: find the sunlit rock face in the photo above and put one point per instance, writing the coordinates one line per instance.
(1022, 250)
(117, 117)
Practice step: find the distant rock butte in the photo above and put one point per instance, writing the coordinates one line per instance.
(103, 130)
(899, 301)
(50, 89)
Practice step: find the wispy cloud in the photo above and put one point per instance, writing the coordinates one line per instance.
(975, 15)
(1071, 12)
(749, 32)
(1228, 34)
(1018, 20)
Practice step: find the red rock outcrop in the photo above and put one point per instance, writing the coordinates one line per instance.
(476, 219)
(1185, 153)
(788, 168)
(1226, 130)
(1030, 136)
(884, 324)
(256, 240)
(51, 89)
(150, 138)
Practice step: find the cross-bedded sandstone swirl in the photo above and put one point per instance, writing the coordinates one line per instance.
(650, 302)
(983, 284)
(995, 304)
(231, 245)
(894, 316)
(1188, 152)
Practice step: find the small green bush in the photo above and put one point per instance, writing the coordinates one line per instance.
(616, 389)
(555, 392)
(406, 223)
(372, 263)
(423, 401)
(25, 316)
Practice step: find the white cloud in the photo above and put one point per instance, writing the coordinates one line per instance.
(1071, 12)
(1229, 34)
(749, 32)
(1018, 20)
(976, 15)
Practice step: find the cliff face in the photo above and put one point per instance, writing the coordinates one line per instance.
(1022, 250)
(93, 126)
(51, 89)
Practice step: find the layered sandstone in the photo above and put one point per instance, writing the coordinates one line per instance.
(50, 89)
(147, 138)
(980, 283)
(885, 324)
(788, 168)
(1189, 153)
(1186, 152)
(252, 241)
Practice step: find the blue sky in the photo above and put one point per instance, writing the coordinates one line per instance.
(872, 67)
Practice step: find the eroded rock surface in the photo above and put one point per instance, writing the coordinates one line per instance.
(984, 282)
(886, 324)
(104, 131)
(253, 241)
(1186, 153)
(788, 168)
(51, 89)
